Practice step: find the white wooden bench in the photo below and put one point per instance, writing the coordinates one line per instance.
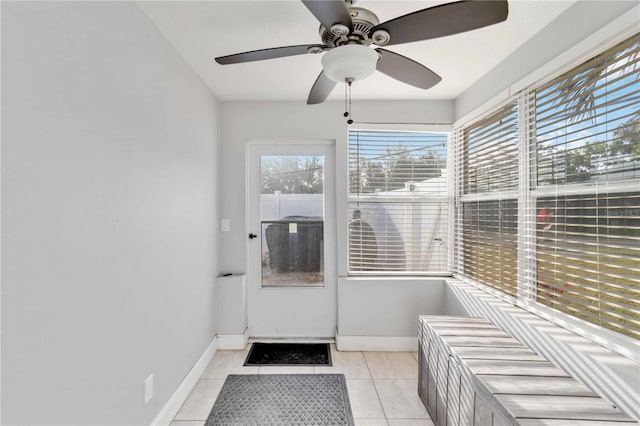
(473, 373)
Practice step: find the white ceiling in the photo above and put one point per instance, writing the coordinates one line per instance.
(203, 30)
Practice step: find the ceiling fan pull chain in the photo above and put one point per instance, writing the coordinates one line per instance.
(349, 81)
(346, 104)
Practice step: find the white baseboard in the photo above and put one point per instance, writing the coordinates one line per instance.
(171, 408)
(376, 343)
(233, 341)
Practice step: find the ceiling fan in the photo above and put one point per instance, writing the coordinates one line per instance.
(348, 32)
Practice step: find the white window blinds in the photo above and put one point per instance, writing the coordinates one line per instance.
(398, 204)
(490, 154)
(487, 222)
(586, 186)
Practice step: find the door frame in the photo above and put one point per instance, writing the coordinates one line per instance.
(300, 312)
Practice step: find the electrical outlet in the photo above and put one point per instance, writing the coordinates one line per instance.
(225, 225)
(148, 389)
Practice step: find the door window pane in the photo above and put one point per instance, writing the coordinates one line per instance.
(292, 220)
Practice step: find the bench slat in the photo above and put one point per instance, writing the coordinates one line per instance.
(484, 331)
(563, 422)
(490, 353)
(560, 407)
(434, 319)
(495, 342)
(536, 385)
(514, 368)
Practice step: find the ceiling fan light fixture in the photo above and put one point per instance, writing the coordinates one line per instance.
(352, 61)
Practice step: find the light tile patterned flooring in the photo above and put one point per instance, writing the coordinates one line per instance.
(382, 386)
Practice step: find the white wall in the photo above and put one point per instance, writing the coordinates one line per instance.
(109, 153)
(389, 307)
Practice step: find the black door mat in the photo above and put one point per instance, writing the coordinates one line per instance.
(281, 354)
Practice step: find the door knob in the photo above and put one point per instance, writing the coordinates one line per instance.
(252, 236)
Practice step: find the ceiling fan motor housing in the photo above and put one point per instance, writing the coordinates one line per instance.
(363, 20)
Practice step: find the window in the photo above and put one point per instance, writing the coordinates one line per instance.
(548, 187)
(488, 212)
(398, 203)
(586, 187)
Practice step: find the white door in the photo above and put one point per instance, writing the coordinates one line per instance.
(292, 276)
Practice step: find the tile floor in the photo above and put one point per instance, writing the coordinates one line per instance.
(382, 386)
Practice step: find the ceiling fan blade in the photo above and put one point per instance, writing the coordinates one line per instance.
(444, 20)
(321, 89)
(406, 70)
(262, 54)
(330, 12)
